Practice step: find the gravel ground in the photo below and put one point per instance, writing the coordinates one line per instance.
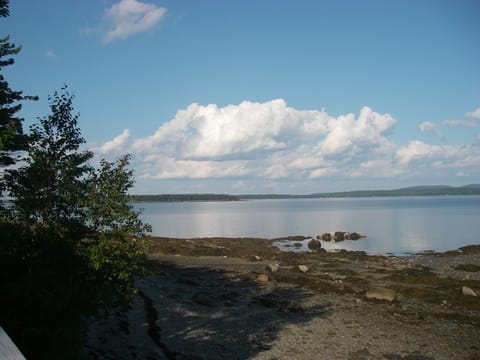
(215, 307)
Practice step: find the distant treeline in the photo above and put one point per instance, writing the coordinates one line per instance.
(182, 197)
(439, 190)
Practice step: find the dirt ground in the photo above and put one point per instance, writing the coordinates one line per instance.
(223, 298)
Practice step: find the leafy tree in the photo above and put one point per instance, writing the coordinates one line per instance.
(59, 197)
(115, 228)
(109, 211)
(72, 239)
(49, 190)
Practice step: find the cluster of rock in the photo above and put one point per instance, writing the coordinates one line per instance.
(335, 236)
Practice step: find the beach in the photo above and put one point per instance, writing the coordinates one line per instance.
(223, 298)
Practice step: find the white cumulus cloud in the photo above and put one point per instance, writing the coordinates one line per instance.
(235, 131)
(171, 168)
(475, 114)
(115, 146)
(128, 17)
(346, 133)
(430, 128)
(437, 155)
(269, 140)
(380, 168)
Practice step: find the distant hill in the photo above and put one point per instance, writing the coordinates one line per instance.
(427, 190)
(472, 186)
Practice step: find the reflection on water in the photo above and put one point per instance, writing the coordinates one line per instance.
(392, 225)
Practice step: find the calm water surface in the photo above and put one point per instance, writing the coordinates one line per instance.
(396, 225)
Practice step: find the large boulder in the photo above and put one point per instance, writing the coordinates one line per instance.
(355, 236)
(314, 244)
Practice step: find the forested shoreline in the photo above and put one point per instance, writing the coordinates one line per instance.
(182, 197)
(473, 189)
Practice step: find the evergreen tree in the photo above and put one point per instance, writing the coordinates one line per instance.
(4, 11)
(12, 139)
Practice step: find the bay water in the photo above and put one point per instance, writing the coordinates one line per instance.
(393, 225)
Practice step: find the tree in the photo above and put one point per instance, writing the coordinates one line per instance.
(60, 195)
(113, 246)
(50, 189)
(71, 240)
(4, 11)
(12, 139)
(108, 209)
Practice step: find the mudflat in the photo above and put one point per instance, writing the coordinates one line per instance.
(222, 298)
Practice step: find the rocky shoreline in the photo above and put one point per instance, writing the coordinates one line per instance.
(220, 298)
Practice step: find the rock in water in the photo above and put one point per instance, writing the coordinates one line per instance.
(355, 236)
(314, 244)
(326, 237)
(381, 294)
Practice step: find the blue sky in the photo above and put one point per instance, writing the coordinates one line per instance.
(262, 96)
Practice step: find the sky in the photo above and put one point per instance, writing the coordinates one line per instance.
(270, 96)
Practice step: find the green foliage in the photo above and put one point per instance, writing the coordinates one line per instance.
(116, 262)
(11, 132)
(48, 191)
(113, 246)
(108, 210)
(12, 139)
(70, 239)
(60, 194)
(4, 8)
